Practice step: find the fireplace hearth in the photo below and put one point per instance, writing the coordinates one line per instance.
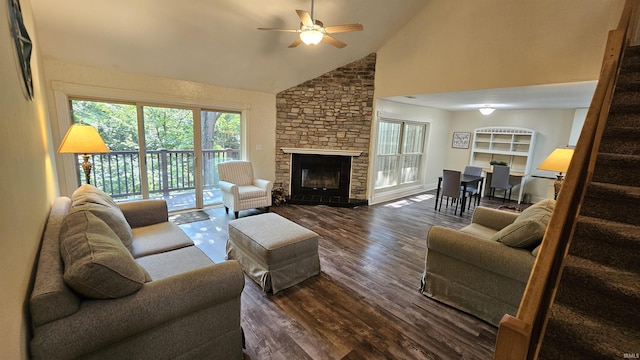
(321, 180)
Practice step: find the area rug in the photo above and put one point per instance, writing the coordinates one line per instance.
(189, 217)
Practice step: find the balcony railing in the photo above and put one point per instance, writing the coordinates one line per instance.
(118, 172)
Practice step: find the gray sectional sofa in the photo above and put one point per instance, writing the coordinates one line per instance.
(121, 281)
(483, 268)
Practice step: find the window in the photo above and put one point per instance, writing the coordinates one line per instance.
(400, 153)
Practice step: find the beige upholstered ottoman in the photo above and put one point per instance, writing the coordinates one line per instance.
(275, 252)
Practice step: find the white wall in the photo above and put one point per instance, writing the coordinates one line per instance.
(449, 46)
(437, 144)
(578, 121)
(553, 128)
(27, 185)
(259, 107)
(487, 44)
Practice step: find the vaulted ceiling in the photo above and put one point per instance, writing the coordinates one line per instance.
(213, 41)
(216, 42)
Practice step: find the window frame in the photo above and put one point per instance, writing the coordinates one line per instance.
(400, 155)
(64, 92)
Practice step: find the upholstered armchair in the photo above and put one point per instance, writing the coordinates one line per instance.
(240, 190)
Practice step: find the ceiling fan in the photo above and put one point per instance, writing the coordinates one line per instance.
(313, 31)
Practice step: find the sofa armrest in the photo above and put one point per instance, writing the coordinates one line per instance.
(265, 185)
(145, 212)
(493, 218)
(486, 254)
(103, 322)
(228, 187)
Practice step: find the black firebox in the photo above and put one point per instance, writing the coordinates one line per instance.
(323, 175)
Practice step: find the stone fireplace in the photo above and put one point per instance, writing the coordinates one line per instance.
(330, 115)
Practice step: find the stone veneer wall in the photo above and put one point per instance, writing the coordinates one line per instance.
(331, 112)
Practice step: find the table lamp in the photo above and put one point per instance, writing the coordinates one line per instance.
(559, 161)
(83, 139)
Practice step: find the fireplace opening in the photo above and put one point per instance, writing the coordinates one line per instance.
(325, 179)
(320, 175)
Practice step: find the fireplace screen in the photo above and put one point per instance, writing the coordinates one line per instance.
(320, 179)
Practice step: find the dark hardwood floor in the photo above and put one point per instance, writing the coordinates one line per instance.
(366, 302)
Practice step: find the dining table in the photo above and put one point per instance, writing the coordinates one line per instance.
(465, 180)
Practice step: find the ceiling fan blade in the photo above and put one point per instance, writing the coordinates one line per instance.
(279, 29)
(305, 18)
(333, 41)
(343, 28)
(295, 43)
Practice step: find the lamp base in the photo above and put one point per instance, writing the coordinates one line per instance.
(86, 166)
(557, 185)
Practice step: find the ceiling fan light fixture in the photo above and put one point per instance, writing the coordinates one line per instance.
(311, 36)
(486, 110)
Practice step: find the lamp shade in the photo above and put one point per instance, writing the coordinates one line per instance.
(82, 139)
(558, 160)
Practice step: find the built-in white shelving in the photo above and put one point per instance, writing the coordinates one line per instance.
(509, 144)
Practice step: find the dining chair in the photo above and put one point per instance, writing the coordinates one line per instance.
(451, 188)
(473, 170)
(472, 190)
(500, 180)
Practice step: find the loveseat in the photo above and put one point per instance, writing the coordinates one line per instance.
(121, 281)
(483, 268)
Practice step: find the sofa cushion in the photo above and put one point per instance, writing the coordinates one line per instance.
(157, 238)
(113, 217)
(170, 263)
(96, 262)
(528, 229)
(478, 230)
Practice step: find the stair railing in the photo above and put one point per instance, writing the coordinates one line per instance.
(520, 337)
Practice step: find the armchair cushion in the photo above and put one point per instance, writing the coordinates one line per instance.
(237, 172)
(96, 262)
(250, 192)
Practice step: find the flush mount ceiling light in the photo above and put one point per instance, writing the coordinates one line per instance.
(311, 35)
(486, 110)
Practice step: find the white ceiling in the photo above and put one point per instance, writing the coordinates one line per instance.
(217, 42)
(557, 96)
(213, 41)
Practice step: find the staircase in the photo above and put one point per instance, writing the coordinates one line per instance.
(596, 311)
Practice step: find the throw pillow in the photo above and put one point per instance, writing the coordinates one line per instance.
(96, 263)
(528, 229)
(522, 234)
(91, 194)
(113, 217)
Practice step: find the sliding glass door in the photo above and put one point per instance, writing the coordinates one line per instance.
(154, 152)
(169, 155)
(220, 139)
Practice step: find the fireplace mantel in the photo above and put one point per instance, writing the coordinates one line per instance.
(320, 151)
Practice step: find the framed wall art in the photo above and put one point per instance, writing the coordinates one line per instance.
(23, 45)
(461, 140)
